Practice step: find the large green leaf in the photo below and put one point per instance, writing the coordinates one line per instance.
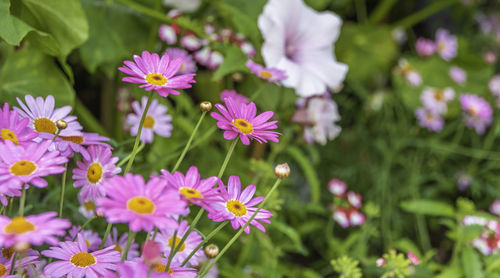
(471, 263)
(29, 71)
(428, 207)
(115, 33)
(13, 29)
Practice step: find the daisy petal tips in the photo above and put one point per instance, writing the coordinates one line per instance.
(157, 73)
(241, 120)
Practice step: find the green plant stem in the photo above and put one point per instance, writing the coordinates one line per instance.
(228, 156)
(381, 10)
(63, 185)
(242, 229)
(186, 148)
(360, 10)
(22, 200)
(173, 248)
(57, 134)
(131, 236)
(205, 240)
(83, 227)
(12, 264)
(186, 234)
(127, 158)
(424, 13)
(106, 234)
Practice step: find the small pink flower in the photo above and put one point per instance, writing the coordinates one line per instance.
(238, 98)
(495, 207)
(458, 75)
(354, 199)
(413, 258)
(446, 44)
(436, 100)
(494, 85)
(241, 120)
(430, 120)
(337, 187)
(425, 47)
(92, 238)
(411, 75)
(490, 57)
(188, 64)
(340, 216)
(168, 33)
(151, 252)
(157, 120)
(191, 42)
(269, 74)
(380, 262)
(248, 49)
(155, 73)
(477, 112)
(13, 128)
(356, 218)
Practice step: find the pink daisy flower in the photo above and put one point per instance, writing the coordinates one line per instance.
(28, 165)
(167, 33)
(413, 258)
(238, 206)
(25, 264)
(192, 188)
(269, 74)
(160, 269)
(477, 112)
(446, 44)
(91, 238)
(155, 73)
(143, 206)
(458, 75)
(34, 229)
(436, 100)
(356, 218)
(157, 120)
(166, 238)
(76, 261)
(430, 120)
(68, 145)
(43, 116)
(337, 187)
(120, 243)
(188, 65)
(208, 58)
(238, 98)
(14, 129)
(135, 270)
(411, 75)
(87, 209)
(354, 199)
(242, 120)
(341, 217)
(93, 172)
(425, 47)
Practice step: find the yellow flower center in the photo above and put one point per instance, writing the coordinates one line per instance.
(243, 125)
(3, 270)
(177, 241)
(19, 225)
(23, 168)
(89, 205)
(141, 205)
(156, 79)
(190, 193)
(473, 111)
(149, 122)
(74, 139)
(236, 207)
(438, 95)
(429, 116)
(441, 46)
(87, 243)
(7, 252)
(8, 134)
(45, 125)
(83, 259)
(94, 173)
(118, 248)
(160, 268)
(265, 74)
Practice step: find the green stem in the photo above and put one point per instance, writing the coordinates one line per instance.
(127, 158)
(63, 185)
(131, 236)
(186, 148)
(242, 229)
(137, 138)
(184, 237)
(173, 248)
(424, 13)
(83, 227)
(207, 238)
(22, 200)
(381, 10)
(12, 264)
(106, 234)
(228, 156)
(57, 134)
(360, 10)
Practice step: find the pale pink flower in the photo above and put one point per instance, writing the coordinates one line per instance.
(458, 75)
(446, 44)
(425, 47)
(436, 100)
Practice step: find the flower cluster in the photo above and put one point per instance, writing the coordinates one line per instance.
(488, 242)
(346, 205)
(445, 45)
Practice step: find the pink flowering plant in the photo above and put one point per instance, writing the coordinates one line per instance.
(148, 138)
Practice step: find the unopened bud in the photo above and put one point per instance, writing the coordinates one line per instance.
(282, 171)
(211, 251)
(21, 247)
(206, 106)
(61, 124)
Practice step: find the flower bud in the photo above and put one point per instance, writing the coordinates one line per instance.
(282, 171)
(206, 106)
(21, 246)
(61, 124)
(211, 251)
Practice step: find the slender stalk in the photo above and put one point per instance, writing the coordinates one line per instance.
(207, 238)
(131, 236)
(106, 234)
(12, 264)
(186, 148)
(57, 134)
(184, 237)
(83, 227)
(415, 18)
(137, 138)
(228, 156)
(360, 10)
(173, 247)
(127, 158)
(63, 185)
(22, 200)
(381, 10)
(237, 235)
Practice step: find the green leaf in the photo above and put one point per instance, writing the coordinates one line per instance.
(29, 71)
(234, 60)
(66, 23)
(115, 33)
(13, 29)
(309, 172)
(428, 207)
(471, 263)
(293, 235)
